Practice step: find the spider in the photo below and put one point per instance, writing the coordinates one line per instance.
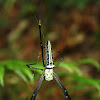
(48, 73)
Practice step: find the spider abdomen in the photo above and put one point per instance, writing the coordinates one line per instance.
(49, 61)
(48, 74)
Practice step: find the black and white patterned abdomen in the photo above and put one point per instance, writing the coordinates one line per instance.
(49, 61)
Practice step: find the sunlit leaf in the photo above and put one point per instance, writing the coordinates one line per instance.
(86, 81)
(37, 65)
(19, 73)
(2, 70)
(71, 67)
(88, 61)
(81, 80)
(29, 74)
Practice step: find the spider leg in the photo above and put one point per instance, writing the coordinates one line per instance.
(41, 44)
(61, 58)
(33, 67)
(37, 88)
(61, 86)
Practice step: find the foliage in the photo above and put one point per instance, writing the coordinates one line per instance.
(18, 67)
(75, 74)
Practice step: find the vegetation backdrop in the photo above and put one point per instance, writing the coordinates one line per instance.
(72, 26)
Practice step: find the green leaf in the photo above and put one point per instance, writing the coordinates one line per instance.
(37, 65)
(80, 81)
(19, 73)
(28, 72)
(2, 70)
(89, 61)
(86, 81)
(71, 67)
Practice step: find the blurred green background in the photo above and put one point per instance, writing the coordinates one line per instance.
(72, 26)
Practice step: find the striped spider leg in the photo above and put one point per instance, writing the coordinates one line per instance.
(37, 88)
(61, 86)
